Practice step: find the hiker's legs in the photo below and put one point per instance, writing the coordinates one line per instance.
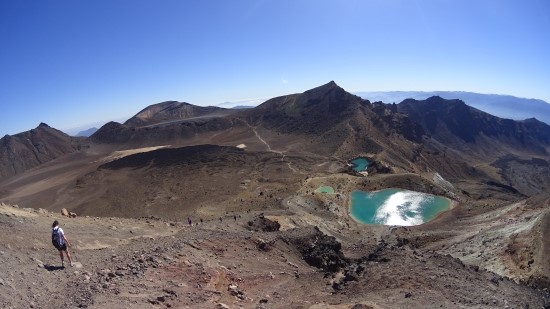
(68, 256)
(61, 256)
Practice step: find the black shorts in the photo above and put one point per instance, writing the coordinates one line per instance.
(63, 248)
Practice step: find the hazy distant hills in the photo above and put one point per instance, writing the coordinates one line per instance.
(26, 150)
(87, 132)
(504, 106)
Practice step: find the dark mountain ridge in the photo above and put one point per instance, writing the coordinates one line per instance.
(335, 121)
(503, 106)
(453, 120)
(124, 136)
(29, 149)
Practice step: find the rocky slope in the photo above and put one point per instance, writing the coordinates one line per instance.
(152, 263)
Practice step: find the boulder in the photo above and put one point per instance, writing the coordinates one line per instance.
(233, 289)
(317, 249)
(65, 212)
(262, 224)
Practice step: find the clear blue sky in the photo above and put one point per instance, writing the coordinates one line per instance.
(73, 62)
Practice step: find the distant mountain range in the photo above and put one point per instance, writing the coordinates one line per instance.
(242, 103)
(503, 106)
(87, 132)
(326, 120)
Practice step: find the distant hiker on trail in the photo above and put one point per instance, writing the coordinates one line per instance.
(189, 221)
(61, 243)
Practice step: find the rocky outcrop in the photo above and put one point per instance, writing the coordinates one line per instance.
(261, 223)
(317, 249)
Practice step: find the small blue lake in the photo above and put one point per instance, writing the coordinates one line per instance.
(396, 207)
(360, 164)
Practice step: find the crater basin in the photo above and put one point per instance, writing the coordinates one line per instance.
(396, 207)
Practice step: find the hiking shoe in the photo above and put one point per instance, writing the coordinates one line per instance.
(72, 264)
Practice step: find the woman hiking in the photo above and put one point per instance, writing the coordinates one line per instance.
(61, 243)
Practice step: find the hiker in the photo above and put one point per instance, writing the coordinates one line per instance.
(61, 243)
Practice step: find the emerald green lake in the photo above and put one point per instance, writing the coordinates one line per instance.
(360, 164)
(325, 189)
(396, 207)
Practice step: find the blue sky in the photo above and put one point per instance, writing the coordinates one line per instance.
(73, 62)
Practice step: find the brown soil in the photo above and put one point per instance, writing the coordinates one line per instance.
(150, 263)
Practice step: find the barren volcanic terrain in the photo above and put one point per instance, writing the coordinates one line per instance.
(221, 210)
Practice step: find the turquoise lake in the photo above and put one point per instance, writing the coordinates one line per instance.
(396, 207)
(360, 164)
(325, 189)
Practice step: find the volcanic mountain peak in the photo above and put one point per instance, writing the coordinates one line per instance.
(28, 149)
(169, 111)
(326, 98)
(43, 125)
(330, 93)
(324, 88)
(314, 111)
(108, 132)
